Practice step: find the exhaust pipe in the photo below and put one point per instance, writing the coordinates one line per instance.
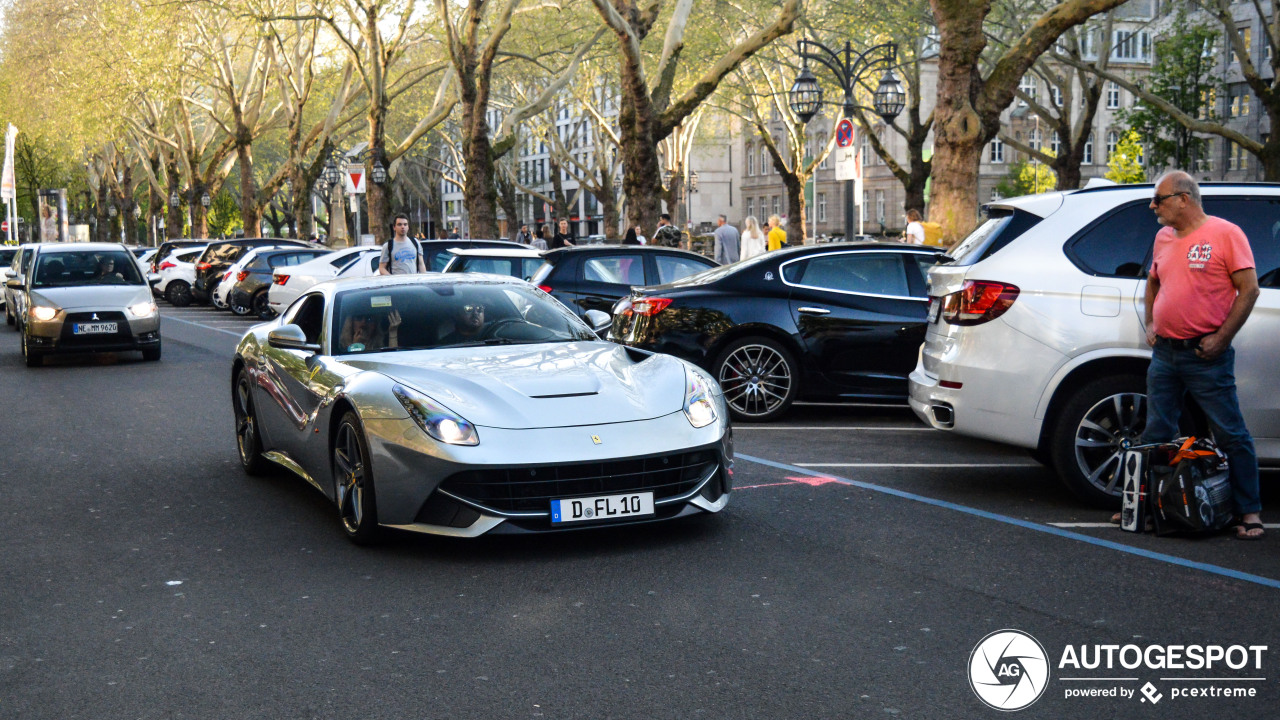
(943, 414)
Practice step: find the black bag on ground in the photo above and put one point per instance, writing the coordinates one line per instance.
(1191, 493)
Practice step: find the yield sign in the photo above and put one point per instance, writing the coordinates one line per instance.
(355, 179)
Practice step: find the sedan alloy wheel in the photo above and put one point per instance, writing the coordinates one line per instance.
(353, 482)
(758, 378)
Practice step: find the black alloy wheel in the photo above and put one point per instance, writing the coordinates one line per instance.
(353, 482)
(248, 440)
(260, 305)
(759, 379)
(178, 293)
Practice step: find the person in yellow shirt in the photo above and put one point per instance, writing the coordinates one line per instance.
(777, 236)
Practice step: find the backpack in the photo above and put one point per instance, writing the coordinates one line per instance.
(1182, 488)
(932, 233)
(386, 253)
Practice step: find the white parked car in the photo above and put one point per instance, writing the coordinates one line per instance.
(290, 282)
(144, 260)
(177, 274)
(516, 262)
(1035, 334)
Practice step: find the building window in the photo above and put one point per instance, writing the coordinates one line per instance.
(1055, 144)
(1112, 139)
(1087, 159)
(1132, 45)
(868, 157)
(751, 207)
(995, 151)
(822, 145)
(1028, 86)
(862, 209)
(1033, 138)
(880, 206)
(1246, 39)
(822, 207)
(1055, 95)
(764, 208)
(1113, 96)
(764, 160)
(777, 206)
(751, 161)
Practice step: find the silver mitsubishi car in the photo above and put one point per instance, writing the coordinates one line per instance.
(85, 297)
(465, 404)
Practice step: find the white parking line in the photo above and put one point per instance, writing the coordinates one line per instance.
(917, 465)
(872, 428)
(206, 327)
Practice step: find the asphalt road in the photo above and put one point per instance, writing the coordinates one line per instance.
(861, 560)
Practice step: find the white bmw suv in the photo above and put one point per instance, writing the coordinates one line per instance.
(1036, 337)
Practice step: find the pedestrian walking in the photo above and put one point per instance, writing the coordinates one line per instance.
(1200, 290)
(754, 241)
(630, 238)
(640, 236)
(563, 237)
(542, 239)
(667, 235)
(777, 236)
(728, 243)
(523, 236)
(401, 254)
(915, 230)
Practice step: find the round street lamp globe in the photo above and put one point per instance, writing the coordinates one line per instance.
(205, 200)
(378, 174)
(806, 95)
(174, 199)
(890, 98)
(112, 211)
(331, 173)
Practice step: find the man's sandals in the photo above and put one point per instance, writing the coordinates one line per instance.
(1244, 530)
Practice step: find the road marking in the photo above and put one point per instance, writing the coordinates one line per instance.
(1038, 527)
(1269, 526)
(740, 428)
(918, 465)
(206, 327)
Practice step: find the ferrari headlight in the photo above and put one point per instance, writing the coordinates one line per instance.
(698, 404)
(438, 421)
(43, 314)
(143, 309)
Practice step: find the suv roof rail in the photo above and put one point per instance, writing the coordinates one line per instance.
(1214, 184)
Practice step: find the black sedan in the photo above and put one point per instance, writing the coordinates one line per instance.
(596, 277)
(841, 322)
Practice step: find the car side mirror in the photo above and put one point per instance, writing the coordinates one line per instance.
(597, 320)
(9, 274)
(15, 284)
(291, 337)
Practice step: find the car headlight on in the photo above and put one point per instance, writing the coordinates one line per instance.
(143, 309)
(698, 404)
(43, 314)
(438, 421)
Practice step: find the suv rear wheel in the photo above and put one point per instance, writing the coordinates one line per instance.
(1098, 422)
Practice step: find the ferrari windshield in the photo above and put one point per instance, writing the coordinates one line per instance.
(438, 315)
(85, 267)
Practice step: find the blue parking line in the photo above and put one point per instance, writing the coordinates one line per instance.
(1038, 527)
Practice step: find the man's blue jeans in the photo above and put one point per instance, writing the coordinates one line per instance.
(1212, 383)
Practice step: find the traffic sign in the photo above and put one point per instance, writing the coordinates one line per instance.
(355, 178)
(844, 133)
(4, 226)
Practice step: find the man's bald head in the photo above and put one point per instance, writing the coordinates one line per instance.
(1178, 181)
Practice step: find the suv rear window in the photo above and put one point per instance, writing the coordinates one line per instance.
(1002, 227)
(1259, 218)
(1117, 244)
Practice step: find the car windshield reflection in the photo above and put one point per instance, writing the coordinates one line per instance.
(432, 316)
(85, 267)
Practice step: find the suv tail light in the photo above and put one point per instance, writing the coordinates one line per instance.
(166, 265)
(647, 306)
(545, 288)
(279, 279)
(979, 301)
(240, 276)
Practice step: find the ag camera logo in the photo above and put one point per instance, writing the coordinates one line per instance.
(1008, 670)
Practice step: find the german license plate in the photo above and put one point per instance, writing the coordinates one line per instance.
(101, 328)
(602, 507)
(935, 308)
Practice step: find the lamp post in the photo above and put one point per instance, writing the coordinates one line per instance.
(849, 69)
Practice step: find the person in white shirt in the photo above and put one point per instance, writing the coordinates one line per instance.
(915, 231)
(754, 241)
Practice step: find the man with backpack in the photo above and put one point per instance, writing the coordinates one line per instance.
(401, 255)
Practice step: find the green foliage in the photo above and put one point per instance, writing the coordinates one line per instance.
(1125, 164)
(1028, 178)
(224, 215)
(1182, 75)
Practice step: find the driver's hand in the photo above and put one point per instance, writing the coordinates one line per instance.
(393, 321)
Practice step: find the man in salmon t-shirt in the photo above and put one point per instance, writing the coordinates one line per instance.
(1201, 289)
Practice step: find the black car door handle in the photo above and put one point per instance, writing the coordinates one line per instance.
(814, 311)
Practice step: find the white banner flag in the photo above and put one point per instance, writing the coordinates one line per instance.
(8, 184)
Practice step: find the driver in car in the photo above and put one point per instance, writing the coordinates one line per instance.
(362, 332)
(468, 324)
(106, 271)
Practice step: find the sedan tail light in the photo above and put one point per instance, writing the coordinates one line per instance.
(166, 265)
(979, 301)
(545, 288)
(240, 276)
(647, 306)
(279, 279)
(226, 275)
(203, 266)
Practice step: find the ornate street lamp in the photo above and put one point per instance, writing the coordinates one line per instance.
(174, 199)
(205, 200)
(112, 211)
(331, 173)
(377, 173)
(850, 69)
